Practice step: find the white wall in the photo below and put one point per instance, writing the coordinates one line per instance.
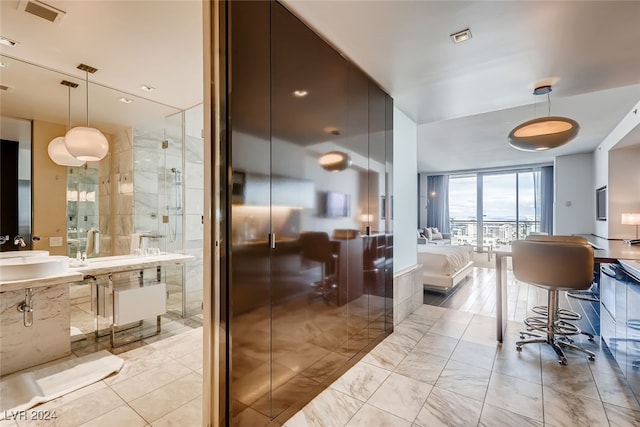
(624, 189)
(405, 190)
(601, 160)
(574, 201)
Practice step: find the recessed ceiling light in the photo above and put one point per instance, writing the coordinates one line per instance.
(461, 36)
(8, 42)
(147, 88)
(2, 64)
(300, 93)
(126, 100)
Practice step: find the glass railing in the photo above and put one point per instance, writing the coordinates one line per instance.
(495, 232)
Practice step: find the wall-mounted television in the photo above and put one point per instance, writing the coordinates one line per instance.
(336, 205)
(601, 203)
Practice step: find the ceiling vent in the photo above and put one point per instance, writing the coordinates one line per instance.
(42, 10)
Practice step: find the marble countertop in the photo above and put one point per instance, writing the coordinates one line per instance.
(70, 276)
(98, 266)
(116, 264)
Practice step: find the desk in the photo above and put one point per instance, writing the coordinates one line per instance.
(605, 251)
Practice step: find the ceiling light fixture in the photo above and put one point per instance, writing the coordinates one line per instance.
(300, 93)
(57, 150)
(8, 42)
(543, 133)
(147, 88)
(126, 100)
(335, 161)
(461, 36)
(2, 64)
(86, 143)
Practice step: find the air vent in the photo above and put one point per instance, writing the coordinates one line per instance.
(42, 10)
(3, 87)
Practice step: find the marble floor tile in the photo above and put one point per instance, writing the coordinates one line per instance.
(149, 380)
(430, 312)
(523, 364)
(615, 390)
(445, 408)
(121, 416)
(401, 396)
(331, 408)
(568, 409)
(361, 381)
(325, 366)
(369, 416)
(189, 414)
(167, 398)
(574, 378)
(386, 355)
(80, 410)
(405, 335)
(419, 321)
(464, 379)
(515, 395)
(437, 345)
(479, 355)
(422, 366)
(284, 396)
(622, 417)
(448, 328)
(494, 416)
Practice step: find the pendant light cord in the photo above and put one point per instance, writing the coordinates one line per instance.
(86, 79)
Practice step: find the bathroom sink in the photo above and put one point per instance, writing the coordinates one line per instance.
(32, 267)
(15, 254)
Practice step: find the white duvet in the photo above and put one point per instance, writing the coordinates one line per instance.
(443, 259)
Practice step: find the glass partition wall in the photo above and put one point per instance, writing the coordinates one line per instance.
(310, 245)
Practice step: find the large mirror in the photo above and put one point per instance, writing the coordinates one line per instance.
(101, 207)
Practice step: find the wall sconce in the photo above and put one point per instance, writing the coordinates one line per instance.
(335, 161)
(543, 133)
(86, 143)
(631, 219)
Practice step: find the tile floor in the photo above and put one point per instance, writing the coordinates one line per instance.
(443, 367)
(439, 367)
(159, 385)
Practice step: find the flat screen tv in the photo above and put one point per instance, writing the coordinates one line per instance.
(336, 205)
(601, 203)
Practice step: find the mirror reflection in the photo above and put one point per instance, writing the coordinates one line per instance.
(145, 196)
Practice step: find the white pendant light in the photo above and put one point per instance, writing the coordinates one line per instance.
(84, 142)
(543, 133)
(335, 161)
(57, 150)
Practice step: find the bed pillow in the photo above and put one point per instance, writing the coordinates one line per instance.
(427, 233)
(436, 236)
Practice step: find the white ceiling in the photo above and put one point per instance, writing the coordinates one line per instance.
(465, 98)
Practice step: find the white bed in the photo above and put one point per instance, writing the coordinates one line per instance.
(444, 266)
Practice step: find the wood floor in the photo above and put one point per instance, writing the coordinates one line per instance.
(477, 295)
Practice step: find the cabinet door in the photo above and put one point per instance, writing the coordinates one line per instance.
(620, 337)
(633, 337)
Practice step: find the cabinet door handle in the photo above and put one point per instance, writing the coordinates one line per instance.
(272, 240)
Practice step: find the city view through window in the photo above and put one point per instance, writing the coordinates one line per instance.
(510, 207)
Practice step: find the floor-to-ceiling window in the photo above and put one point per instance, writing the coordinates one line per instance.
(488, 209)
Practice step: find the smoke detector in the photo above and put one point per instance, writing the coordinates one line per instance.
(42, 10)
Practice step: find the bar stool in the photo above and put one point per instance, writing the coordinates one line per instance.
(563, 313)
(555, 265)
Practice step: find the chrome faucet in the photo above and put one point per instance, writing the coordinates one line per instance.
(4, 239)
(18, 240)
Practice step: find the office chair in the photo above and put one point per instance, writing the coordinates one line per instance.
(317, 247)
(561, 264)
